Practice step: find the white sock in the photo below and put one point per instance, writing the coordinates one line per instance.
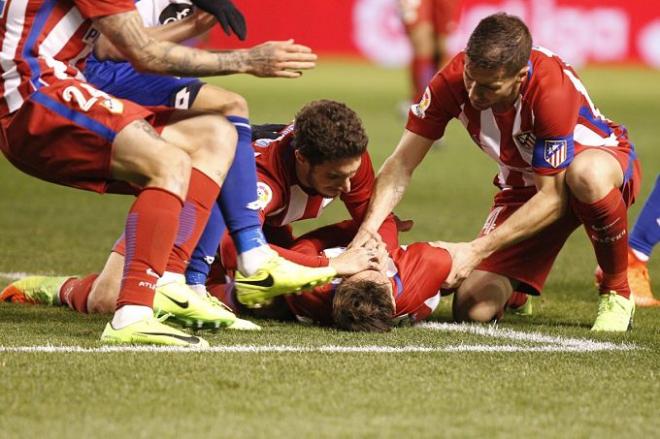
(169, 277)
(641, 256)
(251, 261)
(199, 289)
(129, 314)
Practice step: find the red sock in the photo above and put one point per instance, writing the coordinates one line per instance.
(75, 291)
(516, 300)
(606, 224)
(422, 70)
(150, 232)
(202, 193)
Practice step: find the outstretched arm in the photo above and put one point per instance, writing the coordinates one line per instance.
(177, 31)
(544, 208)
(391, 183)
(273, 59)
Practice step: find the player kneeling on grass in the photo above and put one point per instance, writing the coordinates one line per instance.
(561, 164)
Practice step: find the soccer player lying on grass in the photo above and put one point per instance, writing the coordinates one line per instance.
(561, 164)
(404, 288)
(58, 127)
(307, 165)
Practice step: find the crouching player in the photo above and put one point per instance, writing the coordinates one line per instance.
(238, 196)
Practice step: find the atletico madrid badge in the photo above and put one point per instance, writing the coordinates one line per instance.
(555, 152)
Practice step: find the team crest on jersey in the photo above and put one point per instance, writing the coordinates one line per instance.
(264, 195)
(114, 106)
(525, 140)
(555, 152)
(263, 143)
(419, 109)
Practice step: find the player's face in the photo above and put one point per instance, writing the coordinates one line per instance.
(332, 178)
(491, 88)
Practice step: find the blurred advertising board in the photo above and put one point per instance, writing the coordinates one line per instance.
(582, 31)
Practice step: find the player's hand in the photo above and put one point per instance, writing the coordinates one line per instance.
(464, 259)
(403, 225)
(229, 17)
(203, 21)
(281, 59)
(355, 260)
(364, 238)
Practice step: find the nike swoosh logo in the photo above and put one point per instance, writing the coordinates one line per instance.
(190, 339)
(183, 305)
(266, 282)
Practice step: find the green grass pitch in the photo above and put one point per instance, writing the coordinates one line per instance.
(432, 383)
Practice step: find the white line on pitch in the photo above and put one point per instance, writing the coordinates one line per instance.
(567, 344)
(302, 349)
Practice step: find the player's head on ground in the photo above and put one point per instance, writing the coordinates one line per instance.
(496, 60)
(329, 142)
(364, 302)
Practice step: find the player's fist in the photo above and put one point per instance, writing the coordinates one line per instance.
(229, 17)
(282, 59)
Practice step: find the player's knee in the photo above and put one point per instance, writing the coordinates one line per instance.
(236, 105)
(470, 309)
(587, 180)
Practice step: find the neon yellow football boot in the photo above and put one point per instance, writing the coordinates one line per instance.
(151, 331)
(615, 313)
(188, 308)
(42, 290)
(277, 277)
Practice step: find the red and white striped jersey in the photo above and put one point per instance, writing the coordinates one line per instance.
(284, 200)
(43, 41)
(552, 119)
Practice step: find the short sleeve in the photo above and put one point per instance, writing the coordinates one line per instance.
(555, 116)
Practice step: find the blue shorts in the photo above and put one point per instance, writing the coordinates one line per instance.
(121, 80)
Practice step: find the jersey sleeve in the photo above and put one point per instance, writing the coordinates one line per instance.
(555, 116)
(102, 8)
(422, 270)
(439, 104)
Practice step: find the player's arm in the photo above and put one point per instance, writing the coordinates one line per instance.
(272, 59)
(177, 31)
(544, 208)
(391, 183)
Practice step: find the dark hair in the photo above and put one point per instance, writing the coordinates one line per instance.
(364, 306)
(327, 130)
(499, 41)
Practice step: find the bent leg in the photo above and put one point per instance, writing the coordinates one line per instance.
(594, 178)
(481, 297)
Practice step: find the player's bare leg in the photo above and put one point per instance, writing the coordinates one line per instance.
(481, 297)
(594, 178)
(105, 289)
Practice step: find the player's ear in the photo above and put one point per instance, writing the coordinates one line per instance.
(522, 74)
(300, 158)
